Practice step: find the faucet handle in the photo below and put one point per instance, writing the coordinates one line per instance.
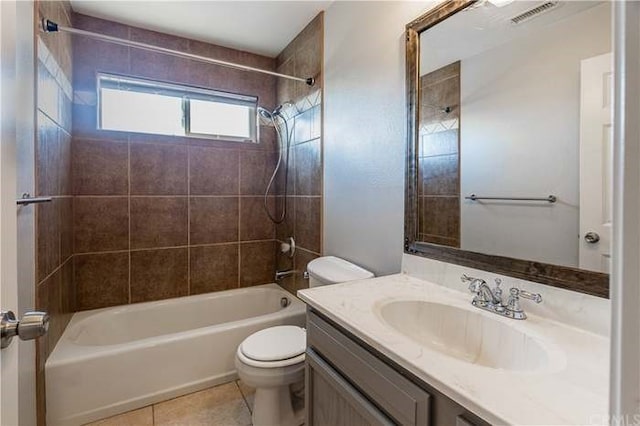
(513, 303)
(536, 297)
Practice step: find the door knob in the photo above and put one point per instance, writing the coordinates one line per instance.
(591, 237)
(31, 326)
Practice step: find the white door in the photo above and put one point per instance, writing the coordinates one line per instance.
(8, 218)
(596, 162)
(17, 264)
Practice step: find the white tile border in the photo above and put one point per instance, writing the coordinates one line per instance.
(52, 66)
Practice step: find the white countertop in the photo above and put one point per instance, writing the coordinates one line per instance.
(573, 390)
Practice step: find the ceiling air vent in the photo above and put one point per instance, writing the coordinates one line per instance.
(536, 11)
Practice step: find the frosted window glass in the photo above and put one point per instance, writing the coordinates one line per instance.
(130, 111)
(145, 106)
(221, 119)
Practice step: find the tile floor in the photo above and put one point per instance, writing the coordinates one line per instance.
(225, 405)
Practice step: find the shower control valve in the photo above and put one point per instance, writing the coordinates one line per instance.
(289, 247)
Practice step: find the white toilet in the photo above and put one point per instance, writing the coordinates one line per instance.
(272, 360)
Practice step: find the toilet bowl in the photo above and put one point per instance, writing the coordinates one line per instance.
(272, 360)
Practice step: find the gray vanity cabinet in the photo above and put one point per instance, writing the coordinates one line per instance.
(350, 385)
(335, 401)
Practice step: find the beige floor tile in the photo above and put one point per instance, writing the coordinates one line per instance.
(141, 417)
(219, 406)
(248, 393)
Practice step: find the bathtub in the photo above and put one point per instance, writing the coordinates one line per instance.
(113, 360)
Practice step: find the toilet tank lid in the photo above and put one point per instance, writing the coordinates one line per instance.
(335, 270)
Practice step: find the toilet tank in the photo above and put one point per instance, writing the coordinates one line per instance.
(332, 270)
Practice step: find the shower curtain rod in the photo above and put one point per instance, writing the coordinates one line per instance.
(49, 26)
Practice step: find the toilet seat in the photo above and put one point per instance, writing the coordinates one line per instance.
(270, 364)
(274, 347)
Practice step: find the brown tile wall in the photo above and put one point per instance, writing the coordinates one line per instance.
(139, 217)
(439, 158)
(157, 217)
(302, 57)
(54, 272)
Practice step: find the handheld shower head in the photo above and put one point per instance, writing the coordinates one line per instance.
(279, 120)
(264, 113)
(271, 115)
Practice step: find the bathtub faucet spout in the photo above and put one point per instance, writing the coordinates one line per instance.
(284, 274)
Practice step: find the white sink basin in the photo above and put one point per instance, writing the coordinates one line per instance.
(466, 335)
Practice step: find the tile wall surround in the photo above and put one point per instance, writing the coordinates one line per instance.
(131, 219)
(53, 224)
(142, 217)
(302, 57)
(157, 217)
(590, 313)
(439, 158)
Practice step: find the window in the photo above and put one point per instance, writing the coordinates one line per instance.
(144, 106)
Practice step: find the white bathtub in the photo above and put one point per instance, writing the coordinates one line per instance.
(117, 359)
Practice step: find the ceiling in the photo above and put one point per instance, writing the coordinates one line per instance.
(262, 27)
(486, 26)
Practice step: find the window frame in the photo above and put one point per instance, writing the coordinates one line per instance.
(185, 93)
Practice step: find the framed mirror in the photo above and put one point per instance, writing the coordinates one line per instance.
(509, 155)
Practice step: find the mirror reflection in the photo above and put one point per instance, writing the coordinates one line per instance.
(515, 132)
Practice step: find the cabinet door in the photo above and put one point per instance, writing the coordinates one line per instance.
(332, 401)
(401, 400)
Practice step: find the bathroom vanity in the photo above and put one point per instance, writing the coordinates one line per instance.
(350, 383)
(411, 349)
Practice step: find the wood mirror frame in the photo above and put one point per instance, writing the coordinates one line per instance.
(593, 283)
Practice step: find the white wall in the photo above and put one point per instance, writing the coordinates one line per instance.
(520, 137)
(364, 131)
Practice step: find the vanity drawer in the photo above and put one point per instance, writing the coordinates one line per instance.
(403, 401)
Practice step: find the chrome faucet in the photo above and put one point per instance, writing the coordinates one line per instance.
(491, 300)
(513, 303)
(284, 274)
(484, 294)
